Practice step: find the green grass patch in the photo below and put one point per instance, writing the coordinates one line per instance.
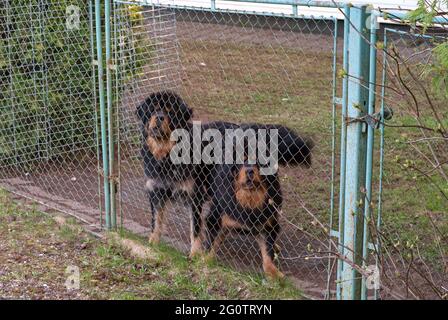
(36, 251)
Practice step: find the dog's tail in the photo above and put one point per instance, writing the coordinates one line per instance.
(292, 148)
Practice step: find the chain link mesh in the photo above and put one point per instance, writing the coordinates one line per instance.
(48, 127)
(240, 68)
(414, 203)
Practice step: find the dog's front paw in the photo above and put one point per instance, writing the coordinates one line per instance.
(196, 248)
(154, 238)
(272, 272)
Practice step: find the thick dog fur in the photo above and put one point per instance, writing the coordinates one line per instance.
(160, 114)
(248, 202)
(163, 112)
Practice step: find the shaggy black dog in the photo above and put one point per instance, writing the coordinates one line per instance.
(161, 114)
(249, 202)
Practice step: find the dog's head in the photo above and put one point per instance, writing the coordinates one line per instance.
(250, 187)
(160, 114)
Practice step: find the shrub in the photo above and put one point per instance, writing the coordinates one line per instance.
(47, 80)
(46, 87)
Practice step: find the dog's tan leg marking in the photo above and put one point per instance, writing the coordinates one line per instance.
(229, 223)
(196, 247)
(186, 186)
(268, 265)
(154, 238)
(216, 244)
(196, 242)
(219, 240)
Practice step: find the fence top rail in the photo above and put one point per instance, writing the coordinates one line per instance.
(304, 3)
(389, 16)
(403, 16)
(415, 35)
(158, 3)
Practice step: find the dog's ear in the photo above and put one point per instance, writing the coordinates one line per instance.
(143, 111)
(168, 101)
(146, 108)
(177, 107)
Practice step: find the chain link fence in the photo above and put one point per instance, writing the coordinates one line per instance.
(48, 105)
(240, 68)
(414, 202)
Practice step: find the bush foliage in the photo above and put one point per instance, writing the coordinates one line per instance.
(48, 86)
(424, 16)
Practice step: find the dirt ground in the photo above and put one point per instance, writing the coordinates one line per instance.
(49, 256)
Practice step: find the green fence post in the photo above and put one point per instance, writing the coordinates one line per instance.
(343, 147)
(357, 102)
(95, 106)
(110, 115)
(333, 151)
(99, 48)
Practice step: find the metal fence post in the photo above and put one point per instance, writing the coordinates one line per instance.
(95, 106)
(110, 115)
(343, 147)
(357, 103)
(380, 179)
(333, 149)
(99, 48)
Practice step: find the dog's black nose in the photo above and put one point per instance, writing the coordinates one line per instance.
(250, 172)
(160, 118)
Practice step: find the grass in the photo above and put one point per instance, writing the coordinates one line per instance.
(36, 249)
(414, 209)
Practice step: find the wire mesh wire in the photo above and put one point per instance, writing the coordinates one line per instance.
(240, 68)
(413, 202)
(48, 132)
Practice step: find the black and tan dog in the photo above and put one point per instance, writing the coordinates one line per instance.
(246, 201)
(162, 113)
